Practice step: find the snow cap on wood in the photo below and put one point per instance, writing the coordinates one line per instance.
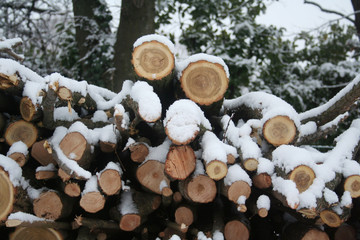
(184, 120)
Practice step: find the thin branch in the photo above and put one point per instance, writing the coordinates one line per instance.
(330, 11)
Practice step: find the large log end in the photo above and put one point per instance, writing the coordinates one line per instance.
(204, 82)
(279, 130)
(153, 60)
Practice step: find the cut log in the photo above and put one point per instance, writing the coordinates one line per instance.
(52, 205)
(46, 172)
(29, 112)
(303, 231)
(20, 158)
(151, 175)
(279, 130)
(352, 184)
(72, 189)
(11, 83)
(180, 162)
(139, 151)
(216, 170)
(236, 186)
(27, 233)
(331, 218)
(202, 81)
(109, 179)
(92, 200)
(235, 190)
(75, 147)
(41, 151)
(199, 189)
(184, 216)
(236, 230)
(7, 195)
(21, 131)
(262, 180)
(107, 147)
(303, 176)
(134, 208)
(345, 231)
(153, 60)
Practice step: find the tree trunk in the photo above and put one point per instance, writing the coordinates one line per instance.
(356, 6)
(136, 20)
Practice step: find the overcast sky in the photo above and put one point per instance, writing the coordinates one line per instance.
(296, 16)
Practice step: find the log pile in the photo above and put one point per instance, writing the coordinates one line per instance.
(168, 157)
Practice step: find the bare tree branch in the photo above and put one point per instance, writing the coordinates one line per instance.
(329, 11)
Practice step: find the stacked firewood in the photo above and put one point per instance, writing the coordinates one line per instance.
(168, 157)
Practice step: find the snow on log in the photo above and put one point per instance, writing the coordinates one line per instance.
(19, 153)
(336, 106)
(46, 172)
(215, 154)
(139, 150)
(153, 57)
(184, 121)
(204, 78)
(237, 186)
(109, 179)
(92, 200)
(279, 120)
(239, 137)
(150, 173)
(262, 178)
(7, 45)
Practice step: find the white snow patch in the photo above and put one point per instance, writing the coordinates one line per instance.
(265, 166)
(236, 173)
(49, 167)
(65, 114)
(91, 185)
(155, 37)
(181, 66)
(214, 149)
(183, 120)
(160, 152)
(99, 116)
(263, 201)
(148, 102)
(127, 205)
(12, 168)
(18, 147)
(27, 217)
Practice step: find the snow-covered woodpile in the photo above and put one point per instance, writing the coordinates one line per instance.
(169, 157)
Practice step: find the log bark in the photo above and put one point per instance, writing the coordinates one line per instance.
(21, 131)
(42, 152)
(180, 162)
